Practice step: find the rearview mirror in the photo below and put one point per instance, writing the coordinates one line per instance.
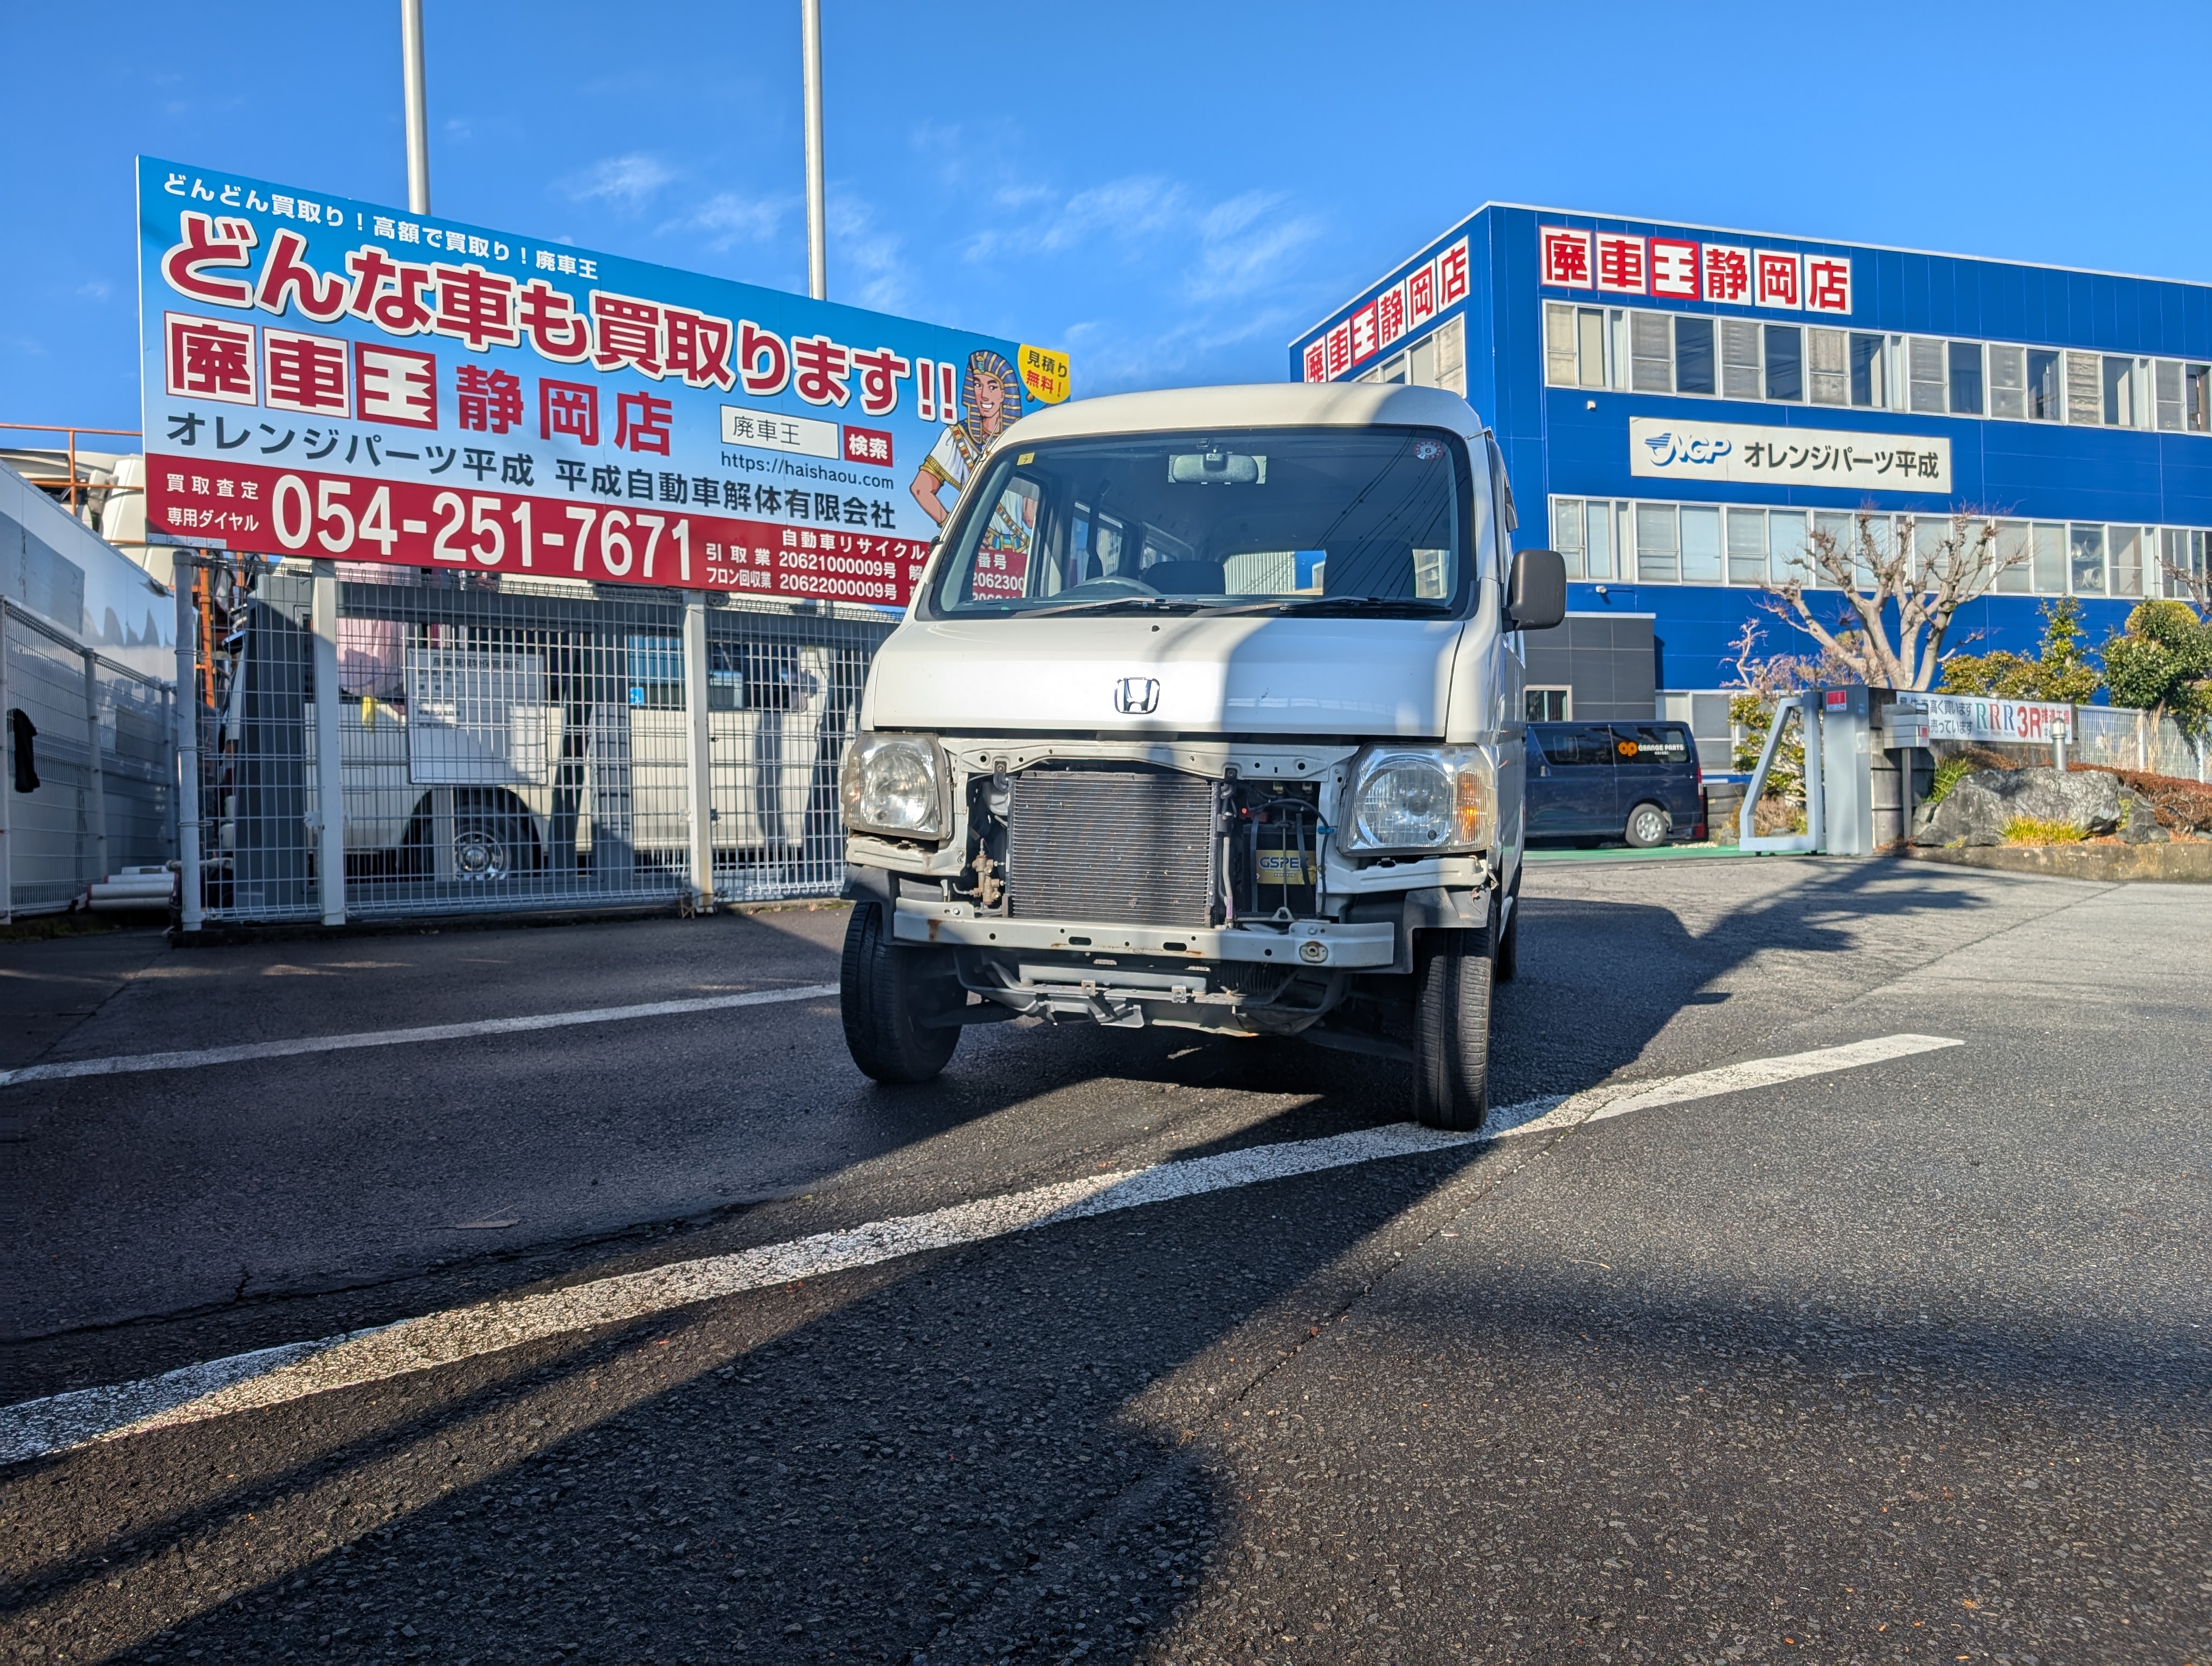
(1536, 594)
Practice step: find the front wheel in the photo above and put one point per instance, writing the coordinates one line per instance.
(1451, 1030)
(885, 993)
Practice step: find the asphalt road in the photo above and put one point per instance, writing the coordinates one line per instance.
(1900, 1361)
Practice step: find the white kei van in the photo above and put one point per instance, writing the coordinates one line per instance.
(1207, 711)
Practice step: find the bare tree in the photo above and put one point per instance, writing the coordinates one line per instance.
(2191, 584)
(1881, 606)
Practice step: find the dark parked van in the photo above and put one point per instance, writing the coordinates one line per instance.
(1592, 782)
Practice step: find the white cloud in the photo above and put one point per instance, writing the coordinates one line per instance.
(625, 181)
(729, 219)
(95, 288)
(867, 263)
(1243, 243)
(1225, 272)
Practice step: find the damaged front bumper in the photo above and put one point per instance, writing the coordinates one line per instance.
(1259, 979)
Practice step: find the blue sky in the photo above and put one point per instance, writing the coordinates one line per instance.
(1168, 191)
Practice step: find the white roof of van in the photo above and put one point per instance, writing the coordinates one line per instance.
(1255, 405)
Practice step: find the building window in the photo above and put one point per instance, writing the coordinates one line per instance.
(2047, 566)
(2183, 562)
(1834, 533)
(1965, 366)
(1701, 545)
(1694, 354)
(1785, 361)
(1870, 391)
(1657, 559)
(1747, 546)
(2086, 561)
(1739, 359)
(1582, 532)
(1827, 354)
(1923, 360)
(2044, 402)
(2015, 558)
(1704, 543)
(1785, 546)
(2181, 392)
(1574, 346)
(2118, 382)
(2084, 403)
(2127, 543)
(2008, 383)
(1549, 705)
(1650, 362)
(1449, 343)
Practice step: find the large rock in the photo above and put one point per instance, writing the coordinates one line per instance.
(1977, 810)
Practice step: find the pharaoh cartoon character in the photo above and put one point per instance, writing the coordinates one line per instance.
(991, 394)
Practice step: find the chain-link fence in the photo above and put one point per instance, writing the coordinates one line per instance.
(2114, 737)
(90, 787)
(506, 744)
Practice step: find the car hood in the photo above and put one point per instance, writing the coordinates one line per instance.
(1354, 677)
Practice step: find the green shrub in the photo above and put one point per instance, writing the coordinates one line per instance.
(1949, 772)
(2027, 830)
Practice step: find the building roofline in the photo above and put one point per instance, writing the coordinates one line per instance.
(1742, 231)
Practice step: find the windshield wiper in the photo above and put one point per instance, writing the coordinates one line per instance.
(1403, 607)
(1108, 605)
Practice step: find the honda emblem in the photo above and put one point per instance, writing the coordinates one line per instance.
(1137, 696)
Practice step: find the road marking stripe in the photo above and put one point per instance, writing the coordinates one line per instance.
(127, 1063)
(272, 1376)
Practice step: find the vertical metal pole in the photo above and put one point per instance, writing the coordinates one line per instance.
(699, 753)
(817, 245)
(330, 766)
(95, 778)
(182, 573)
(1816, 799)
(418, 106)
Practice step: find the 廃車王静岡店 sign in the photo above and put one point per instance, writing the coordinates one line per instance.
(326, 378)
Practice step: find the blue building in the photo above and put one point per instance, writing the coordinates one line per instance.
(1682, 408)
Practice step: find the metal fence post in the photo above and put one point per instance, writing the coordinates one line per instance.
(7, 787)
(698, 772)
(95, 804)
(330, 779)
(187, 710)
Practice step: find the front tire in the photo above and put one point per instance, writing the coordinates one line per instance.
(1451, 1030)
(885, 993)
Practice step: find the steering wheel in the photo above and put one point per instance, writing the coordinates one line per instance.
(1115, 584)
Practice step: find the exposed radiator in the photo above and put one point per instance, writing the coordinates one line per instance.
(1132, 846)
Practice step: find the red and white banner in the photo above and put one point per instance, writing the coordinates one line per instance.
(467, 528)
(1687, 269)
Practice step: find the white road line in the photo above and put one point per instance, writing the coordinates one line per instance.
(271, 1377)
(127, 1063)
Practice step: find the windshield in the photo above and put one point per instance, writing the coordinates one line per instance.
(1324, 521)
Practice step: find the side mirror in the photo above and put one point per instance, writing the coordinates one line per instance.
(1536, 594)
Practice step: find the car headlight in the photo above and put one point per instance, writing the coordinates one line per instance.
(1425, 799)
(894, 784)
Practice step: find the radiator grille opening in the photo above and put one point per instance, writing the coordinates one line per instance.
(1126, 844)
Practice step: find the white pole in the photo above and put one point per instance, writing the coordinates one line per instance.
(330, 752)
(817, 245)
(699, 771)
(188, 739)
(418, 107)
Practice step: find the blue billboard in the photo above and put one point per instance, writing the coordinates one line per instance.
(334, 378)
